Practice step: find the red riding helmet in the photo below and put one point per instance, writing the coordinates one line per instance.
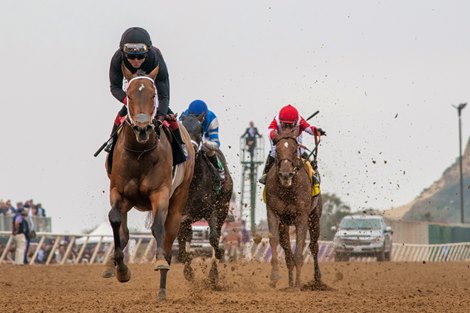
(288, 115)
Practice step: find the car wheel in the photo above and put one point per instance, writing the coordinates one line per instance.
(340, 257)
(381, 255)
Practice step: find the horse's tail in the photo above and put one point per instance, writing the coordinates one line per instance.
(149, 220)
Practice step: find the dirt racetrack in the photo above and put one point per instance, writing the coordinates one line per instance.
(355, 287)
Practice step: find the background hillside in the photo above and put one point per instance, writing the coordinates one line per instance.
(441, 201)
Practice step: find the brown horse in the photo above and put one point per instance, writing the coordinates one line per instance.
(208, 200)
(289, 202)
(142, 177)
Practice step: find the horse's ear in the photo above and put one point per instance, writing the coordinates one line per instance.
(276, 136)
(153, 74)
(201, 116)
(183, 117)
(127, 74)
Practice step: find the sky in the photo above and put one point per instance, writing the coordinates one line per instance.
(383, 74)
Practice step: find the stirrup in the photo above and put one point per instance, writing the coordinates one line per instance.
(109, 146)
(221, 175)
(185, 151)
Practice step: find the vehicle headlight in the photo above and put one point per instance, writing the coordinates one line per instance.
(337, 240)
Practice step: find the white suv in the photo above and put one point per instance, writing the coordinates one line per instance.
(363, 235)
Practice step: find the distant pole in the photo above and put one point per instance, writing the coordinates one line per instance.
(252, 196)
(459, 108)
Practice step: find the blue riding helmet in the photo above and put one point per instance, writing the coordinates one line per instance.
(197, 107)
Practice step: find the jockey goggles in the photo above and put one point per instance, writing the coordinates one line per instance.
(135, 50)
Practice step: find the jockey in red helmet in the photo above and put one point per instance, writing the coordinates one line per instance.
(288, 117)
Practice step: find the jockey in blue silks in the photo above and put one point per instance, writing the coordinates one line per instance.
(210, 130)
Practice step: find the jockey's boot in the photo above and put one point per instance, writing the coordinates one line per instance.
(218, 166)
(180, 153)
(267, 166)
(316, 182)
(111, 140)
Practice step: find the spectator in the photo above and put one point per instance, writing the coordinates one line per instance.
(40, 210)
(20, 233)
(3, 208)
(11, 208)
(41, 255)
(251, 133)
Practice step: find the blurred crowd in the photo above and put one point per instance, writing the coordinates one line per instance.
(58, 253)
(34, 209)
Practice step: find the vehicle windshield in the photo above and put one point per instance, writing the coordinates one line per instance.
(360, 223)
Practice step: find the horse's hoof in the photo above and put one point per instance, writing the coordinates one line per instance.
(108, 273)
(273, 284)
(123, 275)
(161, 265)
(161, 295)
(188, 272)
(275, 276)
(214, 275)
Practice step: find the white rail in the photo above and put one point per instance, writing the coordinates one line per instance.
(74, 249)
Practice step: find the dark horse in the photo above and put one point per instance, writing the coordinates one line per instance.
(142, 178)
(207, 199)
(289, 202)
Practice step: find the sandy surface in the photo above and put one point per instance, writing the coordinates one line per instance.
(354, 287)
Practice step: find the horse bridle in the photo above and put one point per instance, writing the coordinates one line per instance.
(129, 118)
(296, 167)
(131, 123)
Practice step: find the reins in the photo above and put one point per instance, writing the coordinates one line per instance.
(142, 152)
(131, 123)
(296, 167)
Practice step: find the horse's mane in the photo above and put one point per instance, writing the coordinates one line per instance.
(140, 73)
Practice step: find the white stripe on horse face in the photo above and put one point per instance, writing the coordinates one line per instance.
(141, 87)
(286, 144)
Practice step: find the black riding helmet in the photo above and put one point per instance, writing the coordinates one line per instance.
(135, 35)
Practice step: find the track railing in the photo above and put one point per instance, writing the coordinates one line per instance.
(49, 248)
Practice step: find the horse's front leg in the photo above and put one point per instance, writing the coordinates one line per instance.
(285, 244)
(215, 227)
(110, 269)
(160, 202)
(314, 227)
(184, 240)
(273, 224)
(118, 219)
(301, 234)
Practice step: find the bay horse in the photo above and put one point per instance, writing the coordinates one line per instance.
(289, 202)
(207, 200)
(142, 177)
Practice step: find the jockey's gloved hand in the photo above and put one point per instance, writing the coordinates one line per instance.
(160, 118)
(172, 117)
(210, 145)
(123, 111)
(321, 132)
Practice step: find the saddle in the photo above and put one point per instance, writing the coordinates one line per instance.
(311, 175)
